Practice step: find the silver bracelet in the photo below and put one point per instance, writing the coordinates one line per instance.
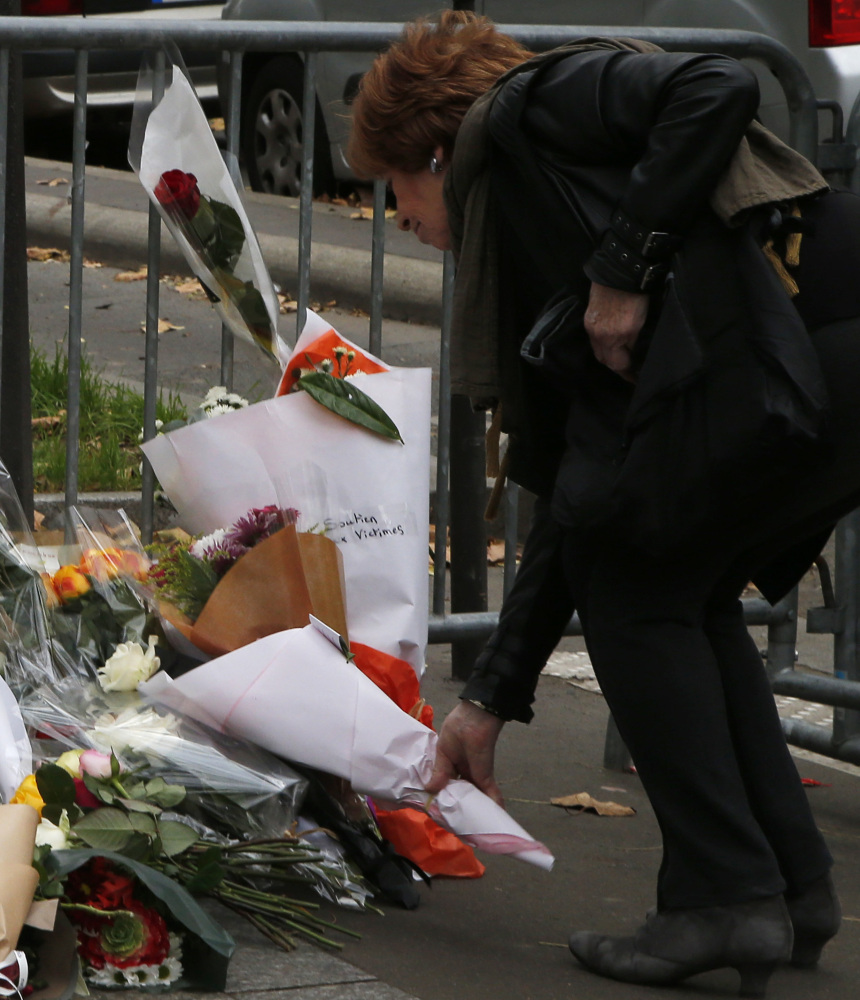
(481, 705)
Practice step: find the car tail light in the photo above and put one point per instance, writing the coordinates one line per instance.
(51, 8)
(834, 22)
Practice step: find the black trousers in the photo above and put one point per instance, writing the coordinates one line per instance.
(667, 639)
(679, 670)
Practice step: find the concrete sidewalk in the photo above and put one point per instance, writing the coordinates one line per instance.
(116, 230)
(502, 937)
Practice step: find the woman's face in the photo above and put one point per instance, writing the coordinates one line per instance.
(420, 206)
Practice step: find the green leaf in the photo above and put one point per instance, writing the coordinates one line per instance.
(167, 796)
(53, 812)
(176, 837)
(56, 785)
(101, 790)
(144, 823)
(138, 807)
(114, 765)
(178, 901)
(348, 401)
(106, 829)
(210, 872)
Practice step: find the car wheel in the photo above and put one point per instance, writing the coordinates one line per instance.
(273, 133)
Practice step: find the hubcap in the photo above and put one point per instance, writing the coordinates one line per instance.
(278, 144)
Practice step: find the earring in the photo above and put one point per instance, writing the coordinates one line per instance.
(435, 166)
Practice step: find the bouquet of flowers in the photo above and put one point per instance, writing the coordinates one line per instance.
(369, 494)
(255, 577)
(340, 722)
(177, 160)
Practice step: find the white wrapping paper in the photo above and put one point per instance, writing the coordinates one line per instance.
(370, 494)
(294, 694)
(16, 758)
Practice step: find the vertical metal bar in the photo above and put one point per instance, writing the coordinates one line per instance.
(153, 293)
(468, 528)
(4, 176)
(306, 195)
(232, 126)
(377, 263)
(443, 440)
(616, 756)
(782, 637)
(512, 516)
(846, 721)
(76, 271)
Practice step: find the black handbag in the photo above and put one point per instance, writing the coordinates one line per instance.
(713, 423)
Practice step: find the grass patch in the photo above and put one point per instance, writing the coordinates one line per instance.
(111, 421)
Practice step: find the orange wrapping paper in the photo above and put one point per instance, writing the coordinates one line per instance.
(411, 832)
(273, 587)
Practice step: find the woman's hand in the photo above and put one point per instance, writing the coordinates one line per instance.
(613, 320)
(466, 749)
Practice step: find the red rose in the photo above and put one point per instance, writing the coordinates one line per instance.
(178, 192)
(84, 797)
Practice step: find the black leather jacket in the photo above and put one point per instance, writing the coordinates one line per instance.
(643, 135)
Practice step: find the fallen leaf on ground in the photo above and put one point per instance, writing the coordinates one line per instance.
(38, 519)
(92, 263)
(51, 421)
(217, 124)
(138, 275)
(583, 802)
(54, 182)
(366, 213)
(164, 326)
(172, 535)
(47, 253)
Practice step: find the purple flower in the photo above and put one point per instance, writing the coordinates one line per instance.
(260, 523)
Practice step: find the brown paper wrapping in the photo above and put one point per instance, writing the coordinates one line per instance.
(273, 587)
(18, 877)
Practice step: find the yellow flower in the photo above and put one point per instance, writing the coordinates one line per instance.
(28, 794)
(70, 761)
(70, 582)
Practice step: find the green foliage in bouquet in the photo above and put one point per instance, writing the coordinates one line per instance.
(188, 581)
(348, 401)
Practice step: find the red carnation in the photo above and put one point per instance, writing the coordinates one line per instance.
(178, 192)
(99, 884)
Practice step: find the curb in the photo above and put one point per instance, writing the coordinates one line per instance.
(412, 288)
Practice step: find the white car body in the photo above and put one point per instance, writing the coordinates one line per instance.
(834, 71)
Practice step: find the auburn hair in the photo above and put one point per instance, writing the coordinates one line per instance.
(415, 95)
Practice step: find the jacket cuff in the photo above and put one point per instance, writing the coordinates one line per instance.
(498, 684)
(631, 257)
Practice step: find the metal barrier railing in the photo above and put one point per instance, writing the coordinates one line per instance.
(464, 624)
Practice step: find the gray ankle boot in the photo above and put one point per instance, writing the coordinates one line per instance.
(815, 916)
(753, 938)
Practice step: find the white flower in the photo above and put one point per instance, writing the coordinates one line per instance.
(202, 545)
(133, 729)
(141, 975)
(129, 665)
(219, 400)
(158, 425)
(56, 836)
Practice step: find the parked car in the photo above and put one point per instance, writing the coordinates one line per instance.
(49, 76)
(823, 34)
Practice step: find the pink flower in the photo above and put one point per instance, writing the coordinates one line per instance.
(96, 764)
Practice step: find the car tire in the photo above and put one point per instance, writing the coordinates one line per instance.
(272, 131)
